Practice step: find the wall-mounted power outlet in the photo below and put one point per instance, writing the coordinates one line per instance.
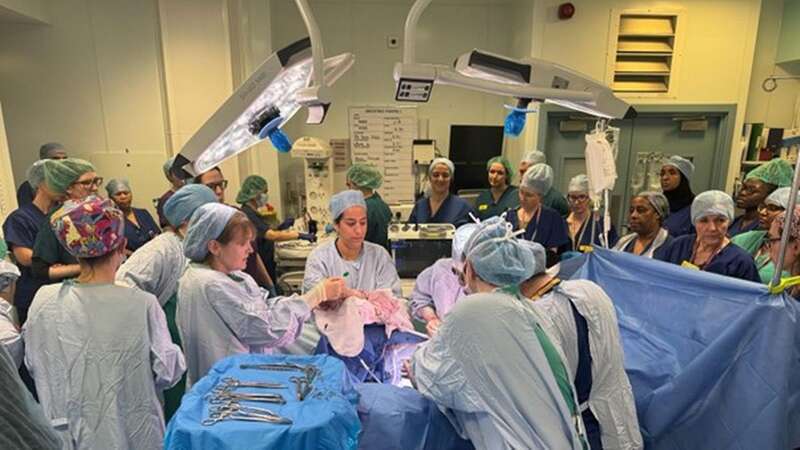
(392, 41)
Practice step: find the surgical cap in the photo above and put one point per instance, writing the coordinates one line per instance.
(781, 220)
(207, 224)
(89, 228)
(534, 157)
(682, 164)
(712, 203)
(502, 261)
(506, 165)
(657, 200)
(444, 161)
(460, 238)
(777, 172)
(346, 199)
(495, 227)
(185, 201)
(168, 166)
(578, 183)
(117, 185)
(780, 197)
(36, 173)
(364, 176)
(61, 174)
(539, 256)
(251, 187)
(50, 149)
(538, 178)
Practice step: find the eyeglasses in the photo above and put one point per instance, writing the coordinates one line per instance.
(97, 181)
(578, 198)
(218, 184)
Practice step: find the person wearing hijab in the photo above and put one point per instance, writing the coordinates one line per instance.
(710, 249)
(580, 318)
(158, 265)
(675, 176)
(436, 289)
(368, 179)
(646, 217)
(585, 227)
(175, 184)
(51, 262)
(27, 191)
(758, 184)
(541, 224)
(441, 206)
(140, 227)
(501, 195)
(553, 198)
(491, 352)
(99, 352)
(221, 309)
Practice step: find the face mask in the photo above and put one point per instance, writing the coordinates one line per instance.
(262, 200)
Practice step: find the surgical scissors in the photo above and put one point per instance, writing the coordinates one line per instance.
(239, 414)
(221, 396)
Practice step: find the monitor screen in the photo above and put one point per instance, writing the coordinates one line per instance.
(470, 147)
(413, 256)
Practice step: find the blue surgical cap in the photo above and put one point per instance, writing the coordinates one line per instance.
(207, 224)
(538, 178)
(462, 235)
(444, 161)
(346, 199)
(494, 227)
(712, 203)
(539, 256)
(180, 206)
(682, 164)
(117, 185)
(780, 197)
(534, 157)
(578, 183)
(502, 261)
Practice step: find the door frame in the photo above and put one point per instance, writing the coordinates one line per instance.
(726, 113)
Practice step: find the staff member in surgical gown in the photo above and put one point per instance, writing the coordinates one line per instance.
(437, 289)
(491, 366)
(580, 318)
(222, 311)
(99, 352)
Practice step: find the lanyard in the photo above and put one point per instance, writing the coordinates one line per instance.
(708, 261)
(537, 215)
(632, 244)
(577, 244)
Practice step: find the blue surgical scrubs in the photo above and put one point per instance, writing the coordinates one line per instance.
(550, 229)
(454, 210)
(679, 223)
(737, 228)
(139, 235)
(732, 260)
(20, 230)
(585, 236)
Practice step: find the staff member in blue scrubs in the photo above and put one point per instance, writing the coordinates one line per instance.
(140, 227)
(553, 198)
(541, 224)
(501, 195)
(585, 229)
(675, 175)
(441, 206)
(710, 249)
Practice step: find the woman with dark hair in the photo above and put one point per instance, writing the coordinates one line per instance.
(675, 174)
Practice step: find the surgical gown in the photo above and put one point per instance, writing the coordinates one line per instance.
(99, 354)
(20, 230)
(679, 223)
(220, 315)
(436, 287)
(611, 398)
(156, 267)
(454, 210)
(10, 337)
(731, 261)
(488, 369)
(487, 207)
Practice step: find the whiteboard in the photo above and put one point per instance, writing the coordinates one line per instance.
(382, 136)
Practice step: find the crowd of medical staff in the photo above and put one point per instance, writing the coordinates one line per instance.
(118, 314)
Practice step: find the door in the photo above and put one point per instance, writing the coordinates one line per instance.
(655, 131)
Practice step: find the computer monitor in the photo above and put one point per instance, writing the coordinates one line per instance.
(470, 147)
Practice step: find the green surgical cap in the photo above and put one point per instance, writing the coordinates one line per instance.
(364, 176)
(506, 164)
(251, 187)
(777, 172)
(60, 174)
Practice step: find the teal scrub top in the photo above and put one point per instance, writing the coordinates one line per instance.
(378, 218)
(487, 207)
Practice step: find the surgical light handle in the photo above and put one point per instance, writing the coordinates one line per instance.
(787, 225)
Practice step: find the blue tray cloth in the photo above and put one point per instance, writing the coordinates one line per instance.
(326, 419)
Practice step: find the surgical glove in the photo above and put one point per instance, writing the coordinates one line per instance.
(286, 224)
(329, 290)
(307, 237)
